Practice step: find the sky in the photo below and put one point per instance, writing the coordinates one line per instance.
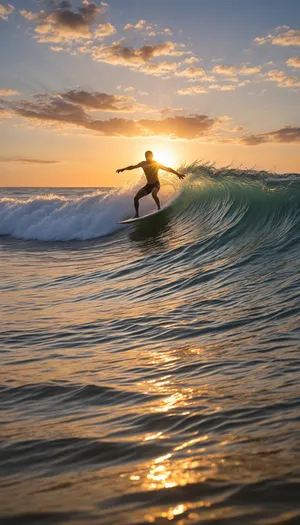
(87, 87)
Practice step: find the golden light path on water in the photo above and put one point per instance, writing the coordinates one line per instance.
(168, 472)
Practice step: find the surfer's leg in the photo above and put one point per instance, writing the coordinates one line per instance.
(155, 197)
(141, 193)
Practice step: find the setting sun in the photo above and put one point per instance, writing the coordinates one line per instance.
(165, 157)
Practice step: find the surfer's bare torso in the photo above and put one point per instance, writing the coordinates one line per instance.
(151, 170)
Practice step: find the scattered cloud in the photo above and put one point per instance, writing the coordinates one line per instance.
(98, 101)
(129, 88)
(225, 70)
(282, 80)
(141, 24)
(167, 112)
(63, 24)
(4, 113)
(293, 62)
(290, 37)
(8, 92)
(178, 127)
(285, 135)
(191, 60)
(195, 73)
(121, 54)
(193, 90)
(57, 49)
(148, 28)
(244, 83)
(233, 71)
(281, 28)
(25, 160)
(222, 87)
(71, 108)
(143, 58)
(249, 70)
(5, 11)
(76, 108)
(197, 90)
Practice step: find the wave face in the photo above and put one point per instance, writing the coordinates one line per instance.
(151, 373)
(221, 199)
(57, 218)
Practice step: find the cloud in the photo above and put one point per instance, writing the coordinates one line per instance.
(225, 70)
(142, 59)
(287, 38)
(5, 11)
(191, 60)
(71, 108)
(62, 24)
(167, 112)
(4, 113)
(141, 24)
(293, 62)
(193, 90)
(244, 83)
(161, 69)
(282, 79)
(148, 28)
(222, 87)
(100, 101)
(25, 160)
(103, 30)
(177, 127)
(189, 127)
(8, 92)
(280, 28)
(249, 70)
(285, 135)
(120, 53)
(50, 109)
(195, 73)
(197, 90)
(78, 31)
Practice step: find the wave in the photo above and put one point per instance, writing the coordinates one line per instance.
(57, 218)
(218, 199)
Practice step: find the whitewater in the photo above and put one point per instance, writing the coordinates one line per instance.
(151, 373)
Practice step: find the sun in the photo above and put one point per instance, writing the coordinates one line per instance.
(164, 156)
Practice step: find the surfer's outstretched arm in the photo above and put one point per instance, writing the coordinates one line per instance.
(130, 168)
(170, 170)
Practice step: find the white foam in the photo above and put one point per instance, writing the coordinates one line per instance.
(55, 218)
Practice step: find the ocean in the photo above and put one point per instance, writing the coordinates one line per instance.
(151, 373)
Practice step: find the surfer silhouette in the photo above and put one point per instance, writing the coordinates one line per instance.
(150, 167)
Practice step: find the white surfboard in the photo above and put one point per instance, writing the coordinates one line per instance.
(156, 212)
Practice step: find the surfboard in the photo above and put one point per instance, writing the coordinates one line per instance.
(151, 214)
(137, 219)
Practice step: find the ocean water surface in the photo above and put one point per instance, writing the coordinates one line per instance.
(151, 373)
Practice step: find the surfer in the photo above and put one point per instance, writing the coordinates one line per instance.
(150, 167)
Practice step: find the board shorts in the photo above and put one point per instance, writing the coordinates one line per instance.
(149, 187)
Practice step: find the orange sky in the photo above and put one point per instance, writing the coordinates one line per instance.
(88, 87)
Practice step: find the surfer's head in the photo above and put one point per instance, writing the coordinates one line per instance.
(149, 155)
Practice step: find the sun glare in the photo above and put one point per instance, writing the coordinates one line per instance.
(165, 157)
